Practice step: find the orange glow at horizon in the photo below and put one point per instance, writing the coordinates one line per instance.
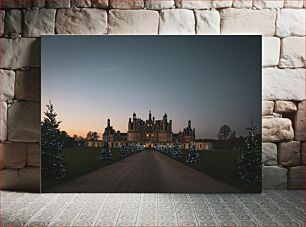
(87, 120)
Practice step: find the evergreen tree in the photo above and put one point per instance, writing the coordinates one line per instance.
(51, 146)
(105, 152)
(193, 155)
(249, 160)
(123, 151)
(176, 150)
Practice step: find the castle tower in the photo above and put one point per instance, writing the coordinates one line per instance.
(108, 123)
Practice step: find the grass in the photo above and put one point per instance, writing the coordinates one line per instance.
(82, 160)
(220, 164)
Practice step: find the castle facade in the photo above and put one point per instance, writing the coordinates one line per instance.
(150, 133)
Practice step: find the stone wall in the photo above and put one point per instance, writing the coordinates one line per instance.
(281, 22)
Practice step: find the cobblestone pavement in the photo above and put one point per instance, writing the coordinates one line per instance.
(270, 208)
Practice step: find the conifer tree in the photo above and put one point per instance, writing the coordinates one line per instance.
(192, 156)
(51, 146)
(249, 160)
(176, 150)
(105, 152)
(123, 151)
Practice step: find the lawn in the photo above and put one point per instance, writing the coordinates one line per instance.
(82, 160)
(220, 164)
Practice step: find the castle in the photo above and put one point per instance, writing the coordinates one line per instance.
(151, 133)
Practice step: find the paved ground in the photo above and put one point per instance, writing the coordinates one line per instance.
(271, 208)
(145, 172)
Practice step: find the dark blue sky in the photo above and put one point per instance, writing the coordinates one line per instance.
(211, 80)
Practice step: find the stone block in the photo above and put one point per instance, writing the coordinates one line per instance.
(274, 177)
(303, 152)
(242, 4)
(15, 4)
(290, 22)
(296, 178)
(285, 106)
(126, 4)
(133, 22)
(81, 21)
(283, 84)
(270, 51)
(20, 53)
(9, 179)
(56, 4)
(7, 85)
(159, 4)
(27, 86)
(222, 3)
(293, 3)
(269, 154)
(177, 21)
(13, 155)
(293, 52)
(192, 4)
(80, 3)
(39, 3)
(263, 4)
(30, 179)
(289, 153)
(248, 21)
(3, 121)
(26, 179)
(33, 158)
(2, 15)
(13, 21)
(277, 129)
(100, 3)
(208, 22)
(267, 107)
(299, 122)
(39, 22)
(24, 122)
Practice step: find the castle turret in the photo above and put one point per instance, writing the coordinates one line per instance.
(108, 123)
(130, 124)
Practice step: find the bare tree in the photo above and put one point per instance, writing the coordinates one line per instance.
(224, 132)
(92, 136)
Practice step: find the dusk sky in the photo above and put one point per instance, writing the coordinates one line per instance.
(210, 80)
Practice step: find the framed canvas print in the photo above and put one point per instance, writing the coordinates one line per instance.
(177, 114)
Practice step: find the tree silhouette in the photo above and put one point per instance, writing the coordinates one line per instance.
(224, 132)
(51, 146)
(105, 152)
(249, 161)
(92, 136)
